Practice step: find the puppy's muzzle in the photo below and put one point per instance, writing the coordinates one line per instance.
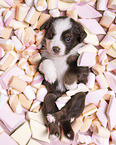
(56, 49)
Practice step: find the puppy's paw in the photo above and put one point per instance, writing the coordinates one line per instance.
(48, 69)
(50, 118)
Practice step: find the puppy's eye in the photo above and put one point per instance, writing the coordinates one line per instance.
(68, 39)
(51, 35)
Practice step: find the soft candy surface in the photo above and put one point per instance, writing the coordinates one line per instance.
(21, 89)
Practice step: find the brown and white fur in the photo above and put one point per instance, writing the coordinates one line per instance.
(63, 36)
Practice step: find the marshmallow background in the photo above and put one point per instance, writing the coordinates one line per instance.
(20, 36)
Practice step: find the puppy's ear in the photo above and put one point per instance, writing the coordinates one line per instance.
(78, 30)
(46, 25)
(82, 33)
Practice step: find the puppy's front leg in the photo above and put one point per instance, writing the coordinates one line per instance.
(70, 80)
(48, 69)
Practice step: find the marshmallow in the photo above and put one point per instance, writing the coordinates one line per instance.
(22, 134)
(24, 101)
(21, 12)
(111, 65)
(41, 93)
(8, 60)
(102, 81)
(63, 6)
(39, 116)
(11, 120)
(102, 56)
(111, 78)
(22, 63)
(10, 2)
(3, 99)
(32, 16)
(91, 80)
(29, 93)
(15, 104)
(87, 59)
(4, 4)
(18, 45)
(87, 48)
(107, 18)
(80, 88)
(43, 18)
(8, 74)
(92, 25)
(101, 113)
(2, 53)
(37, 80)
(39, 37)
(51, 4)
(91, 38)
(86, 11)
(39, 131)
(6, 139)
(101, 5)
(98, 68)
(30, 70)
(29, 3)
(1, 130)
(26, 78)
(110, 112)
(8, 17)
(107, 41)
(89, 109)
(54, 13)
(17, 84)
(6, 32)
(113, 136)
(95, 96)
(112, 51)
(33, 142)
(40, 5)
(112, 4)
(12, 91)
(84, 139)
(16, 24)
(108, 95)
(101, 131)
(31, 34)
(35, 106)
(72, 13)
(86, 124)
(61, 102)
(112, 30)
(76, 125)
(6, 44)
(34, 59)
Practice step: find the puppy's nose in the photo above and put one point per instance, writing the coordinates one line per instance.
(56, 49)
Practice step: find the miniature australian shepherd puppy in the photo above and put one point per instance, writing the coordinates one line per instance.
(63, 36)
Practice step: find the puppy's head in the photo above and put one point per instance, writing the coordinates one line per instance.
(62, 34)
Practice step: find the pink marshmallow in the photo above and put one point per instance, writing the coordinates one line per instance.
(6, 76)
(101, 4)
(111, 112)
(10, 2)
(92, 25)
(5, 139)
(87, 59)
(11, 119)
(86, 11)
(111, 78)
(95, 96)
(101, 113)
(111, 65)
(91, 80)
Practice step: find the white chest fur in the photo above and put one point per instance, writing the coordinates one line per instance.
(61, 67)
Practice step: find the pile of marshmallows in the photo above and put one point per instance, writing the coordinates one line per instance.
(21, 89)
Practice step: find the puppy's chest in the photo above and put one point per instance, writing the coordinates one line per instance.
(61, 66)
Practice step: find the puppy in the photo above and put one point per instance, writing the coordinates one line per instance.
(63, 36)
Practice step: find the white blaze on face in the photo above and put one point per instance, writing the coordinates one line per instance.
(60, 25)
